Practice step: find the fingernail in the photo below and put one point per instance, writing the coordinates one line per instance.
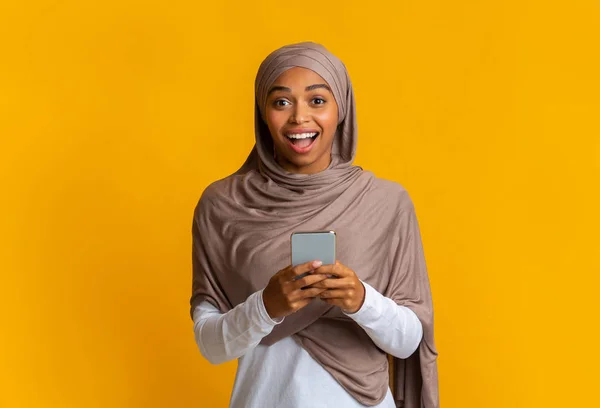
(316, 264)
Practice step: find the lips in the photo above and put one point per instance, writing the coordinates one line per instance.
(302, 140)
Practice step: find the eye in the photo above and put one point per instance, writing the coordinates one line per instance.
(280, 103)
(318, 101)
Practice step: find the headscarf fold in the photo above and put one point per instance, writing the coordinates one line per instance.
(242, 226)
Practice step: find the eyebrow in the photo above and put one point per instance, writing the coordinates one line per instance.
(308, 88)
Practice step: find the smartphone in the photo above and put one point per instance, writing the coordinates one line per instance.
(310, 246)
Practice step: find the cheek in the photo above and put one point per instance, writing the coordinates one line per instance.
(274, 121)
(328, 121)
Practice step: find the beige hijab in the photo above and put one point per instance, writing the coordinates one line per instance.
(241, 232)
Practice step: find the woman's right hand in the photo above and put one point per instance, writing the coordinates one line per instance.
(284, 295)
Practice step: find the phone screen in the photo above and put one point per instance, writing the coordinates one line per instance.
(310, 246)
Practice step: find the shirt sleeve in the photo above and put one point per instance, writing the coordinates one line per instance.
(222, 337)
(393, 328)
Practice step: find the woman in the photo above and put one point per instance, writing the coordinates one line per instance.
(318, 341)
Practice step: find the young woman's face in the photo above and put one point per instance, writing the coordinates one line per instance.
(302, 117)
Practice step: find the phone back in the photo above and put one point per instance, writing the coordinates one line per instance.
(310, 246)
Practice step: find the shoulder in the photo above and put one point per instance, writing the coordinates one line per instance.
(392, 193)
(215, 194)
(215, 191)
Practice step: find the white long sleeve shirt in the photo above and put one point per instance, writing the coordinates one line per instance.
(284, 375)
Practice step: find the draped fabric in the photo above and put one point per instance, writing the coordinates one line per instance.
(241, 237)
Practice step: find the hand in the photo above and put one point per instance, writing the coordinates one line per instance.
(346, 291)
(284, 295)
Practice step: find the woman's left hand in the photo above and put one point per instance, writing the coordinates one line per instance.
(345, 291)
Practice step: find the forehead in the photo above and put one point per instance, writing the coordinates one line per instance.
(298, 77)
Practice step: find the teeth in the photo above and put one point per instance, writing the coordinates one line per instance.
(300, 135)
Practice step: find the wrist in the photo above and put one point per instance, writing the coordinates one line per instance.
(268, 314)
(266, 306)
(361, 301)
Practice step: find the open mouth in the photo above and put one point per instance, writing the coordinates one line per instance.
(302, 142)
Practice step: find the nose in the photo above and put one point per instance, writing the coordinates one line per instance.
(299, 114)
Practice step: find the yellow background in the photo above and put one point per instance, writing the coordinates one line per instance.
(114, 115)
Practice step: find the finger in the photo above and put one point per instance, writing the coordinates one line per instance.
(337, 269)
(333, 301)
(333, 283)
(334, 294)
(301, 303)
(308, 281)
(309, 293)
(324, 270)
(344, 304)
(298, 270)
(283, 271)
